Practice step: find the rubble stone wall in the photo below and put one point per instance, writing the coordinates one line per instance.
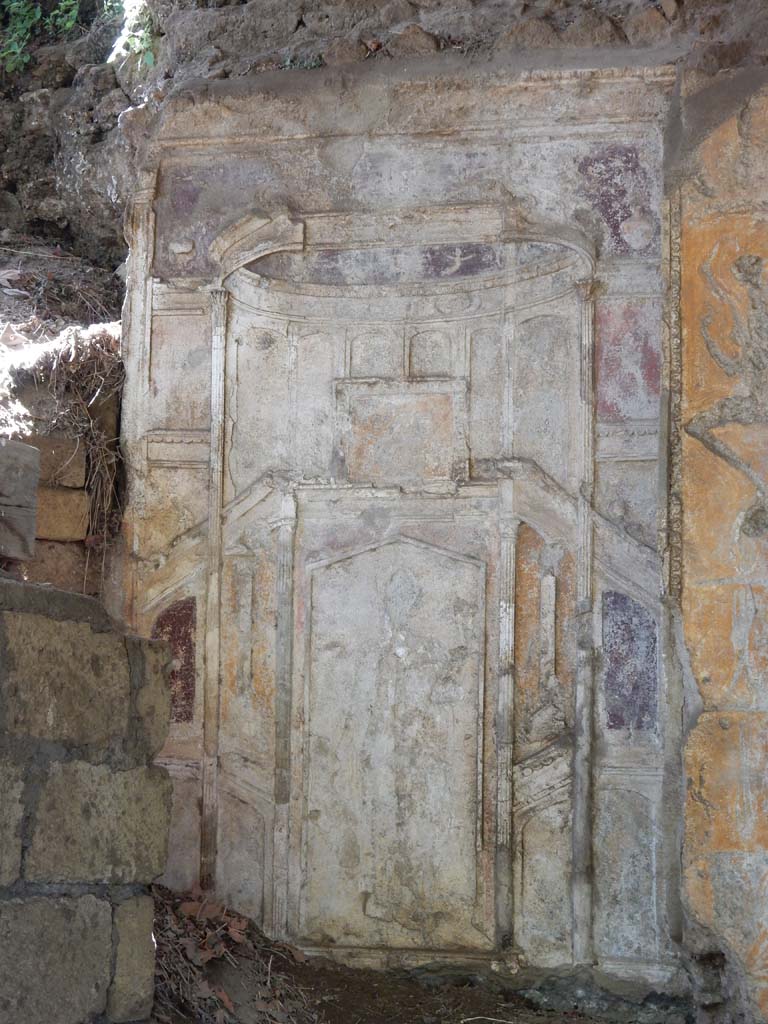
(66, 166)
(83, 813)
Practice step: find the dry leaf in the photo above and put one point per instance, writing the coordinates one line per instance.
(191, 951)
(224, 998)
(8, 276)
(211, 910)
(204, 990)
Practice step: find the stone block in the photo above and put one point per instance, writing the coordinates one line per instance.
(153, 700)
(11, 812)
(590, 29)
(17, 533)
(413, 41)
(62, 514)
(65, 565)
(19, 468)
(55, 957)
(132, 991)
(97, 825)
(62, 461)
(64, 681)
(647, 27)
(19, 471)
(344, 51)
(532, 34)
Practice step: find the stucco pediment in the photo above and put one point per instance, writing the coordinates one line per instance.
(254, 236)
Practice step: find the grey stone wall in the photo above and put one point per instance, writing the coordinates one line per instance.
(83, 813)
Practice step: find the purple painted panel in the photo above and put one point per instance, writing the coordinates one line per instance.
(177, 625)
(618, 189)
(628, 360)
(630, 664)
(387, 265)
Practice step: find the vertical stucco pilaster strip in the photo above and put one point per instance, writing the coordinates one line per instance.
(673, 538)
(285, 525)
(547, 601)
(505, 724)
(584, 698)
(137, 340)
(670, 542)
(508, 327)
(209, 820)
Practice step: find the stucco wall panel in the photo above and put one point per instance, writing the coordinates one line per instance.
(401, 376)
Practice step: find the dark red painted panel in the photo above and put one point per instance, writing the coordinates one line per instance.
(177, 626)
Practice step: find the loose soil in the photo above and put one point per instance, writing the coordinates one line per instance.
(343, 995)
(214, 966)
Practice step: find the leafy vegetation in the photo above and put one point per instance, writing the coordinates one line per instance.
(22, 21)
(140, 39)
(306, 63)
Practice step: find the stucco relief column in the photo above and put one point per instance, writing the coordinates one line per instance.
(285, 526)
(505, 722)
(584, 699)
(137, 324)
(209, 818)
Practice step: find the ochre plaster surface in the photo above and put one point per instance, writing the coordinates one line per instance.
(725, 535)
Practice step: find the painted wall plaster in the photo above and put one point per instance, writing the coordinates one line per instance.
(393, 413)
(724, 419)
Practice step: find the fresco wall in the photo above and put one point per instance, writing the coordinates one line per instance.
(397, 422)
(724, 474)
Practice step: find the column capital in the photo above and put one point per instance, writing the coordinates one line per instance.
(588, 288)
(286, 515)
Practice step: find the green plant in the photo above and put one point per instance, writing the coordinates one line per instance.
(20, 21)
(306, 63)
(109, 9)
(63, 17)
(140, 39)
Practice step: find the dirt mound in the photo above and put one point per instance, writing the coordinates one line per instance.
(214, 966)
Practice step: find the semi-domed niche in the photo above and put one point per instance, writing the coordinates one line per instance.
(416, 385)
(411, 365)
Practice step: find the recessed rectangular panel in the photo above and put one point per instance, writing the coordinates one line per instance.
(545, 389)
(180, 372)
(395, 681)
(404, 433)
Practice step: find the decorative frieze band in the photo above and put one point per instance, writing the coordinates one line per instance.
(636, 441)
(178, 448)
